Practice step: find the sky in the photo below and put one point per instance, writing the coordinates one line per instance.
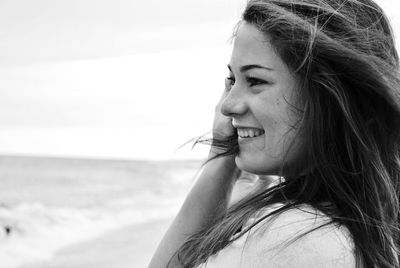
(114, 79)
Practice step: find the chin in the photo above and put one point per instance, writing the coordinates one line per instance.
(255, 165)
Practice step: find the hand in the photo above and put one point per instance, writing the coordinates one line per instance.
(222, 126)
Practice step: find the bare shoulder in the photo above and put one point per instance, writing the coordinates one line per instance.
(299, 237)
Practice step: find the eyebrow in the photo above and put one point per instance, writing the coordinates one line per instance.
(245, 68)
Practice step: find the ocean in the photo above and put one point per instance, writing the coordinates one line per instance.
(60, 212)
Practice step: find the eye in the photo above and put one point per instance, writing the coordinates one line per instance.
(253, 81)
(229, 82)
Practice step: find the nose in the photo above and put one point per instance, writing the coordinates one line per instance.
(234, 103)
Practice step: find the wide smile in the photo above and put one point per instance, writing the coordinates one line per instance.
(247, 133)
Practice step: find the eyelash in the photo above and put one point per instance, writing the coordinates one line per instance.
(229, 82)
(252, 81)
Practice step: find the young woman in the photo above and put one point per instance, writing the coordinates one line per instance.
(312, 96)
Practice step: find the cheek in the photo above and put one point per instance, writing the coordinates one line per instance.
(278, 123)
(266, 110)
(271, 114)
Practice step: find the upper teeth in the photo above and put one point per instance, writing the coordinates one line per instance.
(249, 132)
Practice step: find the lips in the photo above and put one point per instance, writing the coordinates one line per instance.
(249, 132)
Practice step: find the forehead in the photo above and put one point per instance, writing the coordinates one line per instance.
(251, 46)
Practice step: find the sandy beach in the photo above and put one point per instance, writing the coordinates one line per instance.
(76, 213)
(131, 246)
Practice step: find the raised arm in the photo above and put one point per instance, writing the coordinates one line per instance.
(208, 198)
(202, 204)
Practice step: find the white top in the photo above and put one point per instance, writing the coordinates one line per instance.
(270, 243)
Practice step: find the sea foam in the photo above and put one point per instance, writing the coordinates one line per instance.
(38, 231)
(47, 204)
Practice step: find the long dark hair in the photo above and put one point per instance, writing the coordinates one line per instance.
(344, 54)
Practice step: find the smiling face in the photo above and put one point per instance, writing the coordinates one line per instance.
(262, 101)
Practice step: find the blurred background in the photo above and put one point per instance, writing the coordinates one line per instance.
(96, 99)
(114, 79)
